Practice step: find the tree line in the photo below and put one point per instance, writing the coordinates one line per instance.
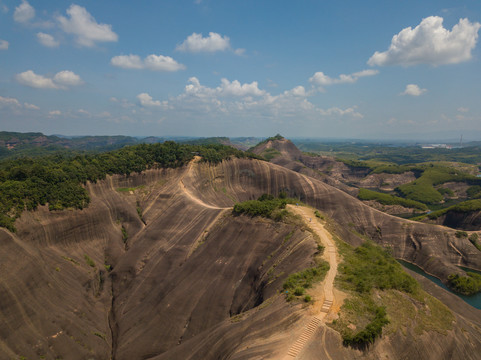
(57, 180)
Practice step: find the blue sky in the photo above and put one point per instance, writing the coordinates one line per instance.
(350, 69)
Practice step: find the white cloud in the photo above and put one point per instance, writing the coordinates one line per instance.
(84, 112)
(8, 101)
(341, 112)
(235, 88)
(321, 79)
(24, 12)
(47, 40)
(239, 51)
(61, 80)
(4, 44)
(430, 43)
(127, 61)
(31, 106)
(463, 109)
(29, 78)
(14, 103)
(67, 78)
(83, 25)
(151, 62)
(55, 113)
(146, 100)
(197, 43)
(162, 63)
(413, 90)
(247, 101)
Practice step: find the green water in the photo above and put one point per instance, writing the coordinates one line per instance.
(474, 300)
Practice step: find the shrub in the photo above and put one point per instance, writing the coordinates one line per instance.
(297, 282)
(372, 330)
(461, 234)
(466, 285)
(266, 206)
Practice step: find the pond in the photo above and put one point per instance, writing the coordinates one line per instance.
(474, 300)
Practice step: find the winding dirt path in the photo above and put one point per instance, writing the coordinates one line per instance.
(308, 216)
(190, 195)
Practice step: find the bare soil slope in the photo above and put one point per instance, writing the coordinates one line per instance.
(149, 273)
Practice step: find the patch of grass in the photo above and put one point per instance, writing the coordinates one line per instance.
(297, 283)
(461, 234)
(387, 199)
(270, 154)
(473, 238)
(366, 271)
(71, 260)
(370, 266)
(446, 191)
(89, 260)
(466, 285)
(125, 236)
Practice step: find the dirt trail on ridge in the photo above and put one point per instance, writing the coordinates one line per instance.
(309, 217)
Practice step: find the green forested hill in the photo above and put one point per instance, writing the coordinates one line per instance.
(57, 179)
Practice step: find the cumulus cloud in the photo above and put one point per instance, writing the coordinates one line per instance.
(238, 100)
(67, 78)
(55, 113)
(321, 79)
(82, 24)
(4, 44)
(47, 40)
(463, 109)
(29, 78)
(8, 101)
(24, 12)
(430, 43)
(235, 88)
(151, 62)
(127, 61)
(212, 43)
(162, 63)
(413, 90)
(61, 80)
(146, 100)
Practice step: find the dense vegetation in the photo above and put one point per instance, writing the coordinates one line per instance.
(462, 207)
(391, 153)
(57, 180)
(369, 266)
(466, 285)
(387, 199)
(422, 189)
(266, 206)
(363, 270)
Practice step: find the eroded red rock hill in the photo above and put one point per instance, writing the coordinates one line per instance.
(157, 268)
